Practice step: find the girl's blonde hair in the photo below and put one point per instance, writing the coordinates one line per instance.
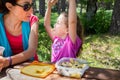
(80, 32)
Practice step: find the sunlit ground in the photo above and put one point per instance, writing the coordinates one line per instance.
(102, 50)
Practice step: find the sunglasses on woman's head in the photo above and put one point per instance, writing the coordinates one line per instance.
(26, 6)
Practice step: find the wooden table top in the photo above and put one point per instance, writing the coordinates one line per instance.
(92, 73)
(102, 74)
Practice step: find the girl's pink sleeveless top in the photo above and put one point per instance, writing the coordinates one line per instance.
(65, 48)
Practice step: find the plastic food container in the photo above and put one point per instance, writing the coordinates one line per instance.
(71, 67)
(1, 50)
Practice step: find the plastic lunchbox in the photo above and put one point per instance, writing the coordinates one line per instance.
(71, 67)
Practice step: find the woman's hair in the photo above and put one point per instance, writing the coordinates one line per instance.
(3, 8)
(79, 30)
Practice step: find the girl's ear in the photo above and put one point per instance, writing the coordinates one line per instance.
(9, 6)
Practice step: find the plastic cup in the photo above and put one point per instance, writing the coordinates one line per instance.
(1, 50)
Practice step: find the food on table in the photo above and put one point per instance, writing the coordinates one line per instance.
(71, 67)
(38, 69)
(72, 64)
(75, 75)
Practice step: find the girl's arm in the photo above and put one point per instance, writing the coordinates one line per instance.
(72, 20)
(47, 20)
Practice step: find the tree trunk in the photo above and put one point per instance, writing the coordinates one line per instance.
(34, 7)
(115, 23)
(81, 7)
(42, 7)
(58, 6)
(91, 9)
(61, 6)
(109, 5)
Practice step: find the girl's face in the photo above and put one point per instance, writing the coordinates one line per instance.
(22, 10)
(60, 28)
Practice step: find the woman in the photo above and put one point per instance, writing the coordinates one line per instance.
(19, 32)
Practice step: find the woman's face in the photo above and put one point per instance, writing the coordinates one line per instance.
(22, 10)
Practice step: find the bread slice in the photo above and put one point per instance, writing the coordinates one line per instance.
(38, 69)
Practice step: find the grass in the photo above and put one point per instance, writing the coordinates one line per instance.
(101, 49)
(44, 43)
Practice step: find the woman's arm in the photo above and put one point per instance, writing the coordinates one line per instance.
(25, 55)
(72, 20)
(47, 20)
(33, 43)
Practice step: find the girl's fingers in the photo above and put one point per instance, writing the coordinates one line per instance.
(54, 1)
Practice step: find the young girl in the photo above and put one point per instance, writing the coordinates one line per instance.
(66, 34)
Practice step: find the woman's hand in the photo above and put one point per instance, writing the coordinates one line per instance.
(52, 2)
(3, 63)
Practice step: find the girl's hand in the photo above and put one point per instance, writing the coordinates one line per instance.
(52, 2)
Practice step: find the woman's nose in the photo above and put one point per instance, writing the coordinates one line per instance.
(31, 10)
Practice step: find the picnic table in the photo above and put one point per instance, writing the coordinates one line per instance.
(92, 73)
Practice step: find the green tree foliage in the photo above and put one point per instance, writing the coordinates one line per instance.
(99, 24)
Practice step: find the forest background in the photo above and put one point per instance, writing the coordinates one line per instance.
(101, 22)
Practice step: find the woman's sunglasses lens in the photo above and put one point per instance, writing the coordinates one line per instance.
(27, 7)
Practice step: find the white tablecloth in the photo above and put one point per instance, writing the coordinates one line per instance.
(14, 74)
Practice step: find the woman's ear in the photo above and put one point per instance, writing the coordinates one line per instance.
(8, 6)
